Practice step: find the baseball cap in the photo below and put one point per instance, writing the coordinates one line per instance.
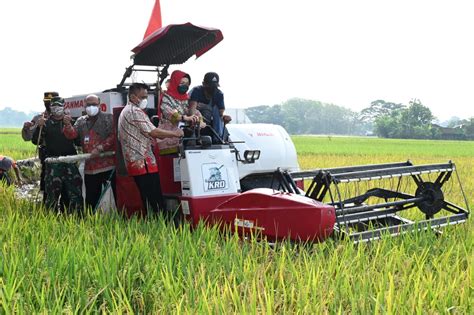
(211, 78)
(57, 101)
(49, 95)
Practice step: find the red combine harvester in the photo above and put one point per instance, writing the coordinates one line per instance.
(252, 182)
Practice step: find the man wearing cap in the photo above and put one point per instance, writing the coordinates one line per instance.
(96, 133)
(209, 100)
(29, 128)
(6, 164)
(61, 179)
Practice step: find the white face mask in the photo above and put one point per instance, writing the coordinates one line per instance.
(92, 110)
(143, 104)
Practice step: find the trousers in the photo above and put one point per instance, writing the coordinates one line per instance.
(94, 184)
(150, 191)
(62, 180)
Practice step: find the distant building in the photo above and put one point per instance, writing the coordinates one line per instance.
(448, 133)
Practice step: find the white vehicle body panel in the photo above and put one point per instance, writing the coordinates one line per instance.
(209, 172)
(276, 147)
(108, 101)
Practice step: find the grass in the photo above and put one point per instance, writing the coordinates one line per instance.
(63, 264)
(11, 144)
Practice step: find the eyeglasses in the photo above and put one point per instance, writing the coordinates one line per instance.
(87, 105)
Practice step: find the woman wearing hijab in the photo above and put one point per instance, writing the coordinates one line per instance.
(175, 109)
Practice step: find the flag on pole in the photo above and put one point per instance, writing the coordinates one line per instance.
(155, 20)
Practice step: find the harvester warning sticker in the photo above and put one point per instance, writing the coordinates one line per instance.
(215, 176)
(247, 224)
(185, 207)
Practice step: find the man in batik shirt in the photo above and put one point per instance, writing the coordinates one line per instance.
(136, 134)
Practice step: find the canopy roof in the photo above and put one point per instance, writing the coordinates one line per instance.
(175, 44)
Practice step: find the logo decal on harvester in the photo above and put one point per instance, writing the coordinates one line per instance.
(215, 176)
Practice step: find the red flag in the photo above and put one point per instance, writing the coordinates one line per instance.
(155, 20)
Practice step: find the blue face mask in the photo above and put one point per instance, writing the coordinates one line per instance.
(182, 88)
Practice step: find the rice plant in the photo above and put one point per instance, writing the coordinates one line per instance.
(54, 263)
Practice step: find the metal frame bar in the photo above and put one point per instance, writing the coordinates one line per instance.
(353, 212)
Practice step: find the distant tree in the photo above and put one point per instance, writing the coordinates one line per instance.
(455, 121)
(413, 122)
(418, 114)
(468, 128)
(295, 112)
(452, 122)
(388, 126)
(265, 114)
(302, 116)
(13, 118)
(377, 109)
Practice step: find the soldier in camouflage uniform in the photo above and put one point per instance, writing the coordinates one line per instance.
(64, 177)
(28, 130)
(61, 179)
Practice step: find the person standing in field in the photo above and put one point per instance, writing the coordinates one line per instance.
(6, 164)
(137, 134)
(61, 179)
(96, 134)
(28, 130)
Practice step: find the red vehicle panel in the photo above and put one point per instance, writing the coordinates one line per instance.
(276, 215)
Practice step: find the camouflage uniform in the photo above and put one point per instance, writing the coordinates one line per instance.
(61, 179)
(59, 176)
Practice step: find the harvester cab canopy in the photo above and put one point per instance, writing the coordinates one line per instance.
(171, 45)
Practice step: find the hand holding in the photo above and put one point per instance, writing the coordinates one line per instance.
(41, 122)
(179, 133)
(28, 124)
(195, 119)
(67, 120)
(227, 119)
(95, 153)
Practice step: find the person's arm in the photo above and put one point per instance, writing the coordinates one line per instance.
(171, 114)
(142, 121)
(192, 108)
(70, 131)
(193, 104)
(36, 138)
(29, 128)
(168, 112)
(221, 104)
(161, 133)
(16, 169)
(27, 131)
(107, 145)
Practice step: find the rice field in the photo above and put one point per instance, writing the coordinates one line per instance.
(63, 264)
(11, 144)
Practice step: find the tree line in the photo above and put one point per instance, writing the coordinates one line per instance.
(301, 116)
(381, 118)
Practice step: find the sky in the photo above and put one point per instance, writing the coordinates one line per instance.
(348, 53)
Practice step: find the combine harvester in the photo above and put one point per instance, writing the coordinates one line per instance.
(252, 183)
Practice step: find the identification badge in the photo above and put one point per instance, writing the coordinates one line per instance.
(86, 139)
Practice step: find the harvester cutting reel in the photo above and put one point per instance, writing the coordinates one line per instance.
(369, 199)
